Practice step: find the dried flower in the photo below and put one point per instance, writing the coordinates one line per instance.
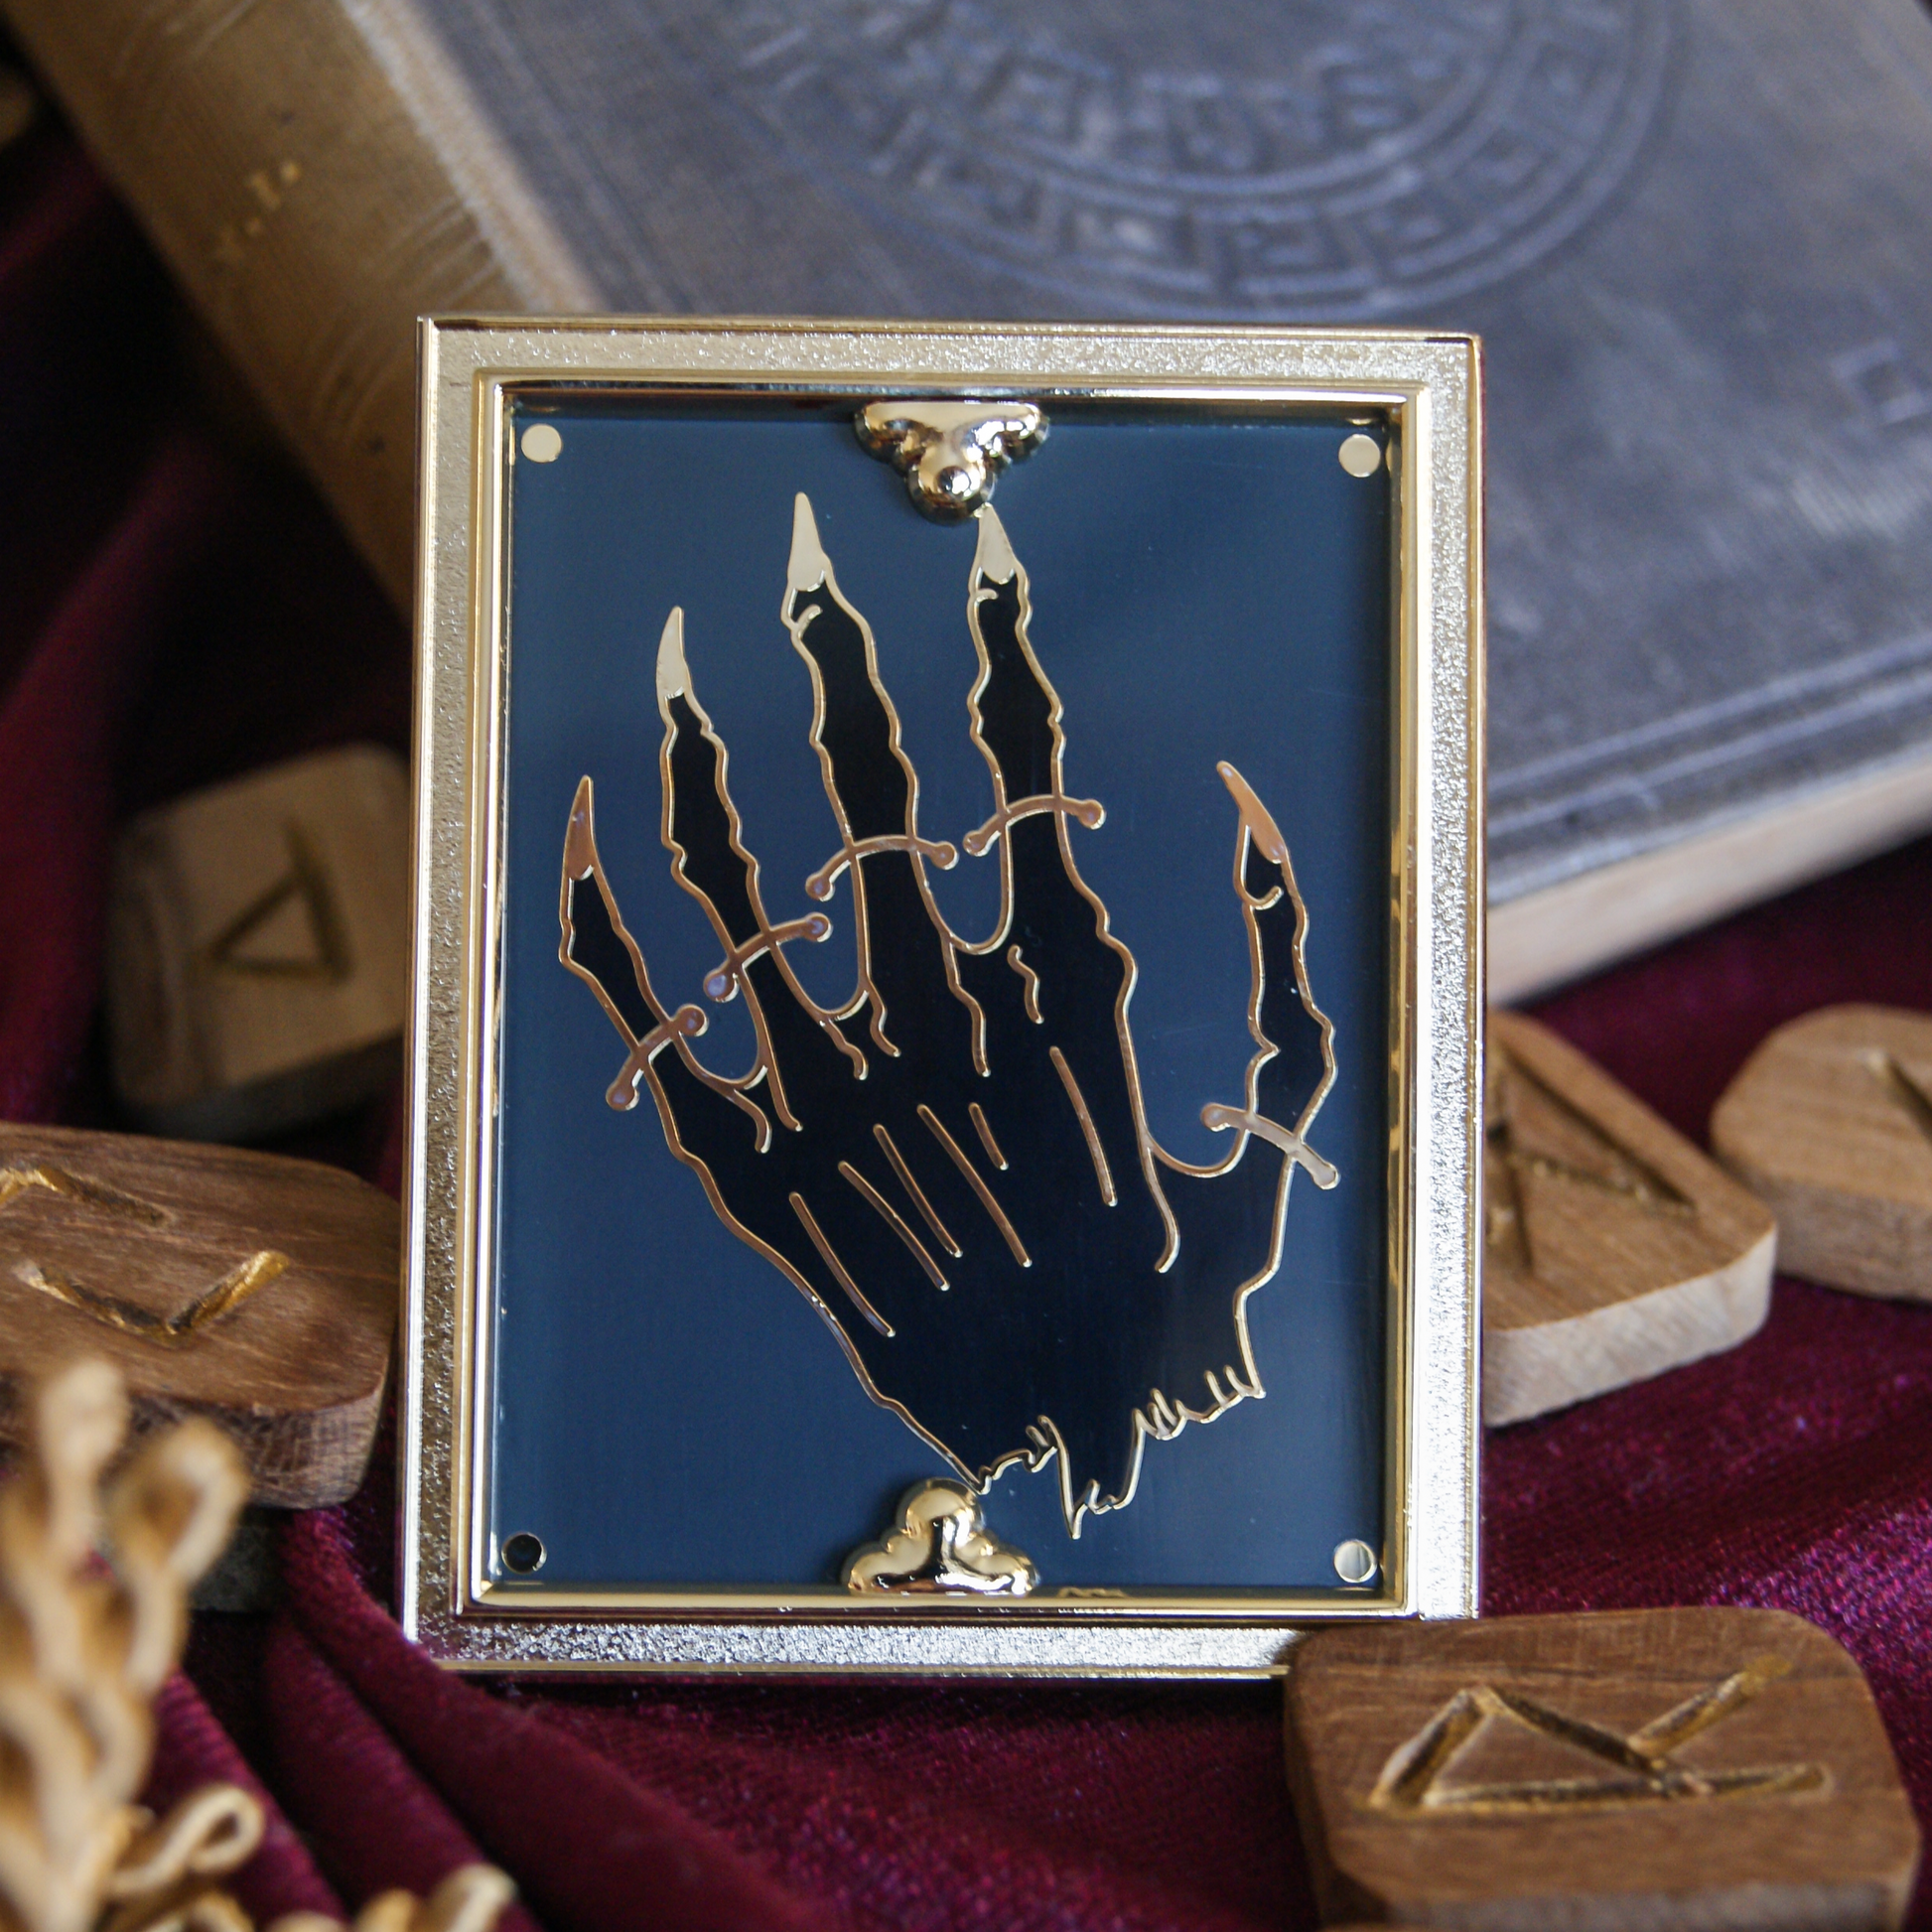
(93, 1612)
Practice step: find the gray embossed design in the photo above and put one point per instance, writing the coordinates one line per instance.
(1341, 158)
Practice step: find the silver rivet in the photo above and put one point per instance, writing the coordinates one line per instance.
(542, 443)
(1361, 456)
(523, 1553)
(1355, 1560)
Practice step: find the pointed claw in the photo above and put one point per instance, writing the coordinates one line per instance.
(595, 945)
(1295, 1067)
(701, 824)
(808, 566)
(992, 557)
(1016, 713)
(869, 780)
(673, 675)
(579, 835)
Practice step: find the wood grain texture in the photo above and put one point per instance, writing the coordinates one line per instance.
(315, 180)
(1629, 1771)
(1831, 1123)
(1613, 1248)
(256, 1291)
(258, 947)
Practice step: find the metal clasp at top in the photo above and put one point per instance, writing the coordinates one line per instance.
(950, 452)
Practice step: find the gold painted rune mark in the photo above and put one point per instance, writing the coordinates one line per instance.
(1643, 1769)
(15, 1181)
(171, 1331)
(305, 883)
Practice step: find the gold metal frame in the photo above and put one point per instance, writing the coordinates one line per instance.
(1427, 389)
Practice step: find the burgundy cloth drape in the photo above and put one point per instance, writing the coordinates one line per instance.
(177, 610)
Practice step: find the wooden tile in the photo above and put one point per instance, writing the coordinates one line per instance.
(258, 947)
(1630, 1771)
(253, 1290)
(1613, 1248)
(1831, 1123)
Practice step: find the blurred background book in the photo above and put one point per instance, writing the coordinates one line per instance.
(1694, 234)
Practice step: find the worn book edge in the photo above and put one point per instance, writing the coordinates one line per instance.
(311, 242)
(1563, 931)
(316, 176)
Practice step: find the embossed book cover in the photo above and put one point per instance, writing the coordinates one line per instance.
(1693, 234)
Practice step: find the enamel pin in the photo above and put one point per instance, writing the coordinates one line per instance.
(946, 1068)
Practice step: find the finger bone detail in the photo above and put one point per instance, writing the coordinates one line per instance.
(950, 452)
(954, 1164)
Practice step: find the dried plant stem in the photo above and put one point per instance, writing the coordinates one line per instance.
(94, 1587)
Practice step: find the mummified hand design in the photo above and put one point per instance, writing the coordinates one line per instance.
(955, 1166)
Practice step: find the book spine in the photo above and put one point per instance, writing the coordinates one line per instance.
(316, 177)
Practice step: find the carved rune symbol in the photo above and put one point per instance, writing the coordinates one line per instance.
(175, 1330)
(1418, 1778)
(247, 944)
(954, 1166)
(1907, 1089)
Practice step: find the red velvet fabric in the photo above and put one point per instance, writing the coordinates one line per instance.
(177, 611)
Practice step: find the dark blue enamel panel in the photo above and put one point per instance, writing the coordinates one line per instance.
(669, 1409)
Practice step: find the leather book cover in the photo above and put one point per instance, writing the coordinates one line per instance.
(1693, 234)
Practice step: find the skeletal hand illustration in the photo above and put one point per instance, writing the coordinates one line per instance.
(955, 1165)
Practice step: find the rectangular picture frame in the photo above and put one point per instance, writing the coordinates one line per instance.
(1425, 391)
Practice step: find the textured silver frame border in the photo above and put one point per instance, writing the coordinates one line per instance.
(1431, 386)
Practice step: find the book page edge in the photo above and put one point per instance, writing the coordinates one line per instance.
(1546, 938)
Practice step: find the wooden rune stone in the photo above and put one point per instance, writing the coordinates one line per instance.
(258, 947)
(1627, 1771)
(256, 1291)
(1613, 1248)
(1831, 1123)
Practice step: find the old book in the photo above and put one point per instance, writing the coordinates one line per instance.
(1689, 231)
